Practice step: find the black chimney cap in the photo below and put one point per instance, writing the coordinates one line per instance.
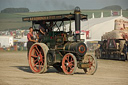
(77, 9)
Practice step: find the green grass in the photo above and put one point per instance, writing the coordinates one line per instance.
(14, 20)
(9, 15)
(125, 13)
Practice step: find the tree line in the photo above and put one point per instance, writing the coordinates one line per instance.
(14, 10)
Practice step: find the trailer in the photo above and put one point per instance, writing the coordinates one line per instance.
(114, 44)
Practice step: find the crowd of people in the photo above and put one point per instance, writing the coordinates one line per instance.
(32, 36)
(15, 33)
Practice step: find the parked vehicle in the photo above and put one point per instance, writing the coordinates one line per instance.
(114, 44)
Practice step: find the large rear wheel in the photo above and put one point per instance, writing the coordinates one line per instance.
(93, 64)
(69, 64)
(37, 58)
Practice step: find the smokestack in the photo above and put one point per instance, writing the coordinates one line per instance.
(77, 22)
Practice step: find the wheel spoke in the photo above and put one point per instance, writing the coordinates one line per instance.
(67, 58)
(37, 49)
(35, 64)
(71, 68)
(39, 66)
(42, 60)
(70, 64)
(41, 56)
(89, 59)
(35, 60)
(66, 67)
(36, 52)
(92, 60)
(41, 63)
(71, 60)
(90, 68)
(93, 66)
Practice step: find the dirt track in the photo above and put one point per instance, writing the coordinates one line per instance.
(14, 70)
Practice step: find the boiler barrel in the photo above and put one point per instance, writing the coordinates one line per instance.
(77, 47)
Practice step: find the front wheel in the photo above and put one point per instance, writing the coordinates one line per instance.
(69, 64)
(93, 64)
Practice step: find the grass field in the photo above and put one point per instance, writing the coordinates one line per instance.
(14, 20)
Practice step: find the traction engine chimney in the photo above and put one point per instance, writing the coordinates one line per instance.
(77, 22)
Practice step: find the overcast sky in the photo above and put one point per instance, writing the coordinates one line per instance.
(47, 5)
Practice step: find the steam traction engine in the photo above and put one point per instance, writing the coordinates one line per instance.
(65, 51)
(114, 44)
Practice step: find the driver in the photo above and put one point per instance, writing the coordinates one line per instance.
(42, 30)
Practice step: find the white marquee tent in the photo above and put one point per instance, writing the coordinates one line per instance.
(98, 26)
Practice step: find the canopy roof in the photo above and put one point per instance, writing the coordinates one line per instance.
(60, 17)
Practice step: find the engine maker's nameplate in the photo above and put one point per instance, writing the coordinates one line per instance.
(41, 18)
